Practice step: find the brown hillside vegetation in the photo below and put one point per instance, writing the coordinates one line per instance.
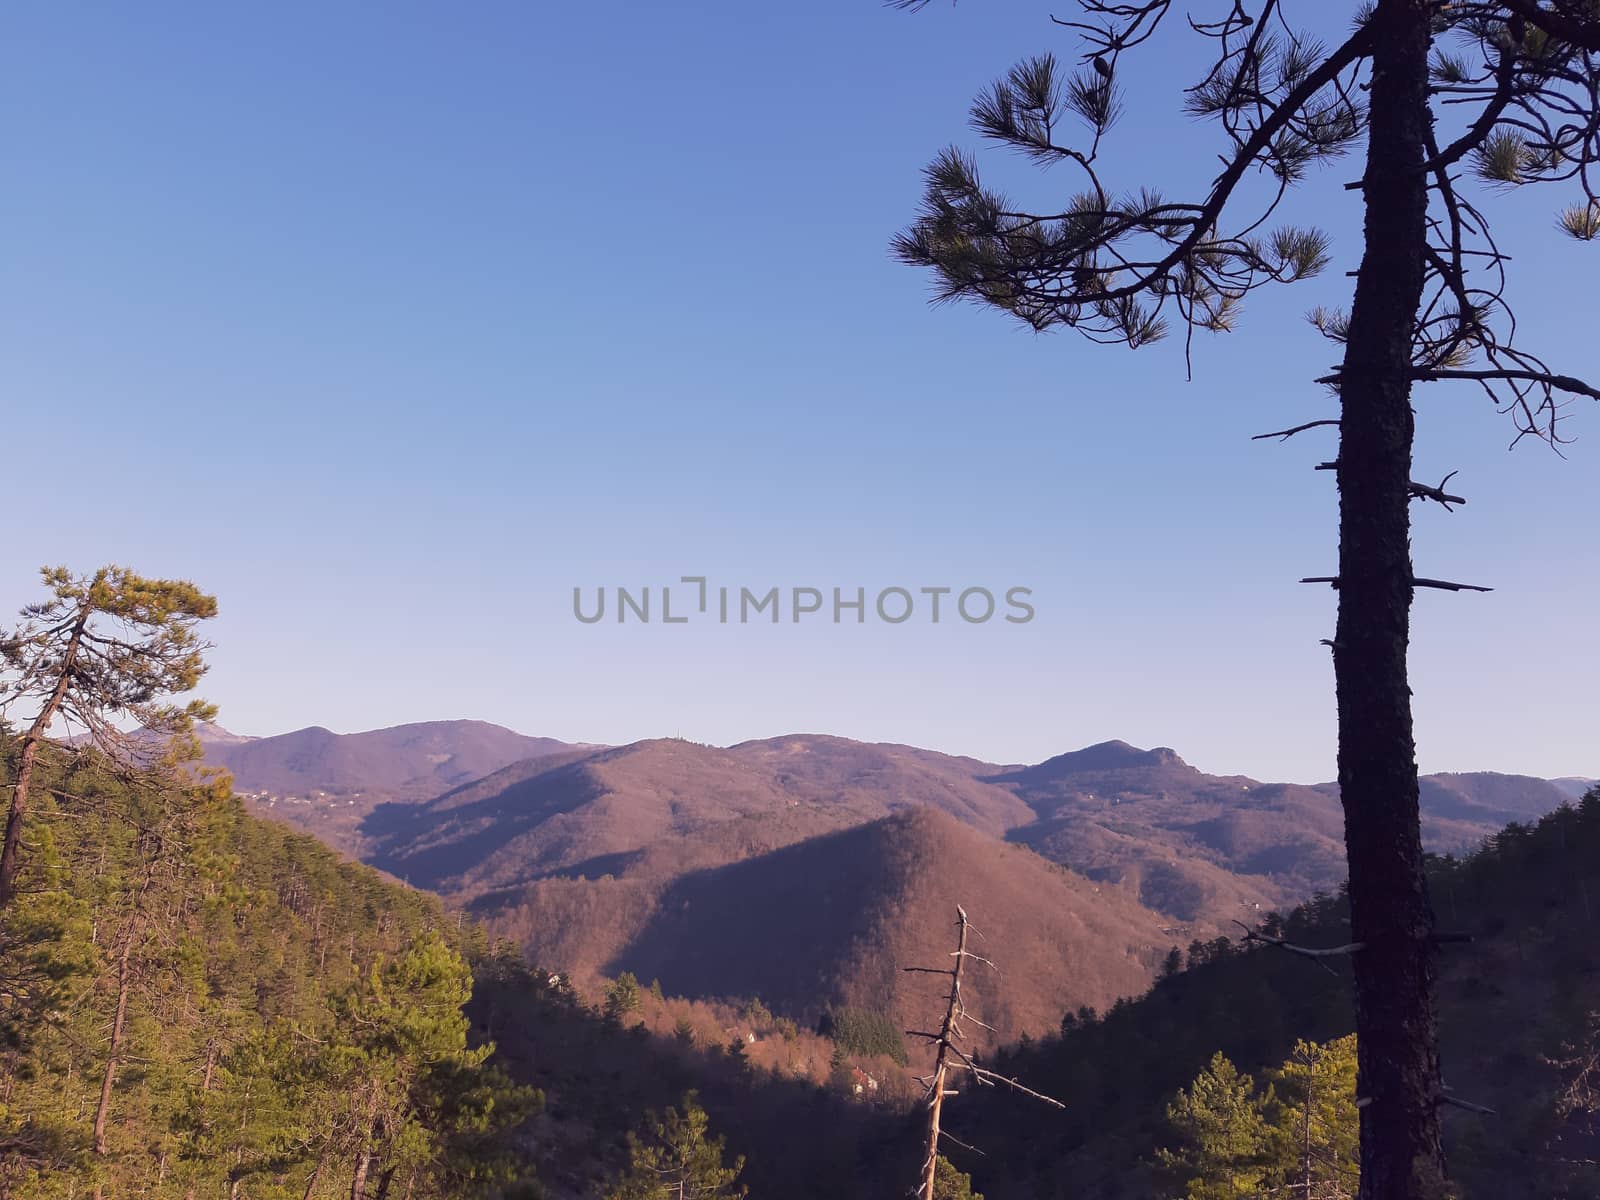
(872, 900)
(831, 922)
(1201, 849)
(807, 869)
(327, 783)
(583, 816)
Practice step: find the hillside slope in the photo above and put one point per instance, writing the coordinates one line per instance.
(584, 814)
(1516, 1023)
(1201, 849)
(833, 920)
(326, 783)
(192, 996)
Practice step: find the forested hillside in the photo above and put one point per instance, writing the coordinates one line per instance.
(195, 1002)
(1520, 1021)
(832, 921)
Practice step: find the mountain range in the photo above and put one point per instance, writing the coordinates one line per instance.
(808, 869)
(326, 783)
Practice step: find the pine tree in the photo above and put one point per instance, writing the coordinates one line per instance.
(622, 997)
(676, 1158)
(202, 1004)
(1508, 90)
(104, 648)
(1316, 1127)
(950, 1183)
(1221, 1124)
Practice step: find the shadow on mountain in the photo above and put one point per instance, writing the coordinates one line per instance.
(834, 919)
(430, 844)
(781, 926)
(600, 1079)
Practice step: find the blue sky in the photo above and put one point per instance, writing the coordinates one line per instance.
(392, 324)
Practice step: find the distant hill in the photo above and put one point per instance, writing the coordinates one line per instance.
(326, 783)
(1574, 785)
(1199, 847)
(834, 919)
(707, 867)
(583, 814)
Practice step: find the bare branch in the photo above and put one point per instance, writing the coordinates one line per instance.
(1563, 383)
(1286, 434)
(1317, 954)
(1446, 585)
(1423, 492)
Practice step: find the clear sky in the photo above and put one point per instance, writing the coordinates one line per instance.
(391, 324)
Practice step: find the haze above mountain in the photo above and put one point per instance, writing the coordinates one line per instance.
(806, 869)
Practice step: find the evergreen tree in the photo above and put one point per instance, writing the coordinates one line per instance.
(676, 1157)
(202, 1004)
(950, 1183)
(1316, 1128)
(622, 997)
(1221, 1123)
(1508, 90)
(102, 649)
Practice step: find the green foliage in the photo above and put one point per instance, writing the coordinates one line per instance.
(102, 652)
(1316, 1127)
(1513, 1008)
(622, 997)
(261, 1018)
(676, 1156)
(757, 1014)
(949, 1183)
(1300, 1132)
(1222, 1129)
(863, 1032)
(1581, 221)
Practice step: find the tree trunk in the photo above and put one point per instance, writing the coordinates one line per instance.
(1305, 1124)
(1401, 1155)
(316, 1174)
(358, 1182)
(941, 1065)
(114, 1056)
(384, 1181)
(30, 752)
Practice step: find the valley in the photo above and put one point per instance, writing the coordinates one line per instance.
(805, 870)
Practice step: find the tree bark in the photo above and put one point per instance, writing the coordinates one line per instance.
(358, 1182)
(316, 1174)
(1401, 1154)
(30, 752)
(941, 1065)
(114, 1055)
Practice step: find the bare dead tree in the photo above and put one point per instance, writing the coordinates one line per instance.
(1504, 93)
(950, 1057)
